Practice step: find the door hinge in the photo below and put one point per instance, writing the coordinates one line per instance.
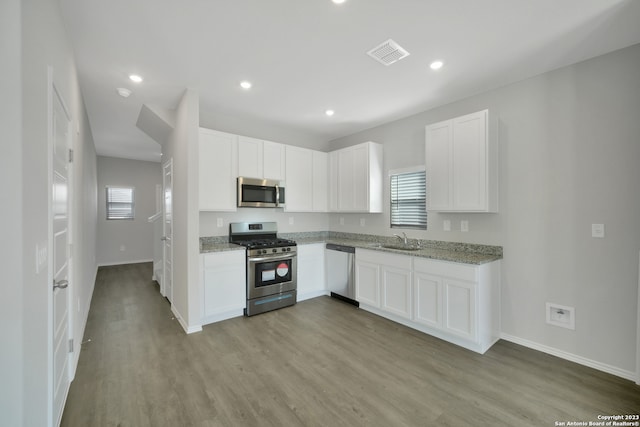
(71, 345)
(70, 155)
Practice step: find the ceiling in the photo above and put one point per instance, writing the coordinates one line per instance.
(306, 56)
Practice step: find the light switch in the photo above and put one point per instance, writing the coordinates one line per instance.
(219, 222)
(464, 225)
(447, 225)
(597, 231)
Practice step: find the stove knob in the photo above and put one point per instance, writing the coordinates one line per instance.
(288, 249)
(264, 251)
(274, 250)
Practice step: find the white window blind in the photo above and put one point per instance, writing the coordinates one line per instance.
(409, 200)
(120, 203)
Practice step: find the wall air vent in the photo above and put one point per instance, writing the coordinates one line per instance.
(388, 52)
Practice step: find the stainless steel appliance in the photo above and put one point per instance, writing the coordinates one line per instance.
(260, 193)
(341, 273)
(272, 266)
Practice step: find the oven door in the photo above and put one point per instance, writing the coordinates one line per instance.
(271, 274)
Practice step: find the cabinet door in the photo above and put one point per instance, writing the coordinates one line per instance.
(470, 162)
(224, 285)
(333, 181)
(460, 308)
(396, 291)
(273, 161)
(299, 165)
(438, 165)
(250, 156)
(360, 176)
(320, 181)
(311, 271)
(218, 169)
(345, 180)
(368, 283)
(427, 294)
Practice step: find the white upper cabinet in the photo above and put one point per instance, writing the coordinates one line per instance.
(306, 180)
(461, 165)
(218, 170)
(355, 178)
(260, 159)
(273, 160)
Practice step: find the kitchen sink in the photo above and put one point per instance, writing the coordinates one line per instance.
(402, 247)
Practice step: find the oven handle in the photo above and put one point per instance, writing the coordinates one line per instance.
(271, 258)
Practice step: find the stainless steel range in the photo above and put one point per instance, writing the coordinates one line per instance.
(272, 266)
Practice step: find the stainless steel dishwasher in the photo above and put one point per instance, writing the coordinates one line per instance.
(341, 275)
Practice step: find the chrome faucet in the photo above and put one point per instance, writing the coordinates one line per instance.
(403, 238)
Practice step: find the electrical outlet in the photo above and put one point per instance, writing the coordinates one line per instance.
(341, 220)
(560, 315)
(219, 222)
(362, 222)
(447, 225)
(464, 225)
(122, 248)
(290, 220)
(597, 231)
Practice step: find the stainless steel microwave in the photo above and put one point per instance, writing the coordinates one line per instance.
(260, 193)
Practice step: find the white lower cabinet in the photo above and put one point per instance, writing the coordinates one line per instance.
(455, 302)
(311, 272)
(223, 285)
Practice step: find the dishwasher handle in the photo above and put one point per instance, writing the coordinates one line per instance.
(340, 248)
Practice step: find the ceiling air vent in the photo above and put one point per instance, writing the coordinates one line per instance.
(388, 52)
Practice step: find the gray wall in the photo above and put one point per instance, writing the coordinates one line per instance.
(44, 43)
(569, 154)
(127, 241)
(11, 333)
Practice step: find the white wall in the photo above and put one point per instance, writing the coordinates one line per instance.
(301, 221)
(11, 331)
(127, 241)
(569, 155)
(182, 149)
(45, 43)
(256, 128)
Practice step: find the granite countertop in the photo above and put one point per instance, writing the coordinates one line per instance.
(465, 253)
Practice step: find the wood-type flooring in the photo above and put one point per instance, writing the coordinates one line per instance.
(319, 363)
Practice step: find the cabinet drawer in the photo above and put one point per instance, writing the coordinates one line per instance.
(447, 269)
(219, 259)
(384, 258)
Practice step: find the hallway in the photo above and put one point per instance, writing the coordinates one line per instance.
(318, 363)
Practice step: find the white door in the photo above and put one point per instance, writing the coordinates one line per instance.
(60, 141)
(167, 232)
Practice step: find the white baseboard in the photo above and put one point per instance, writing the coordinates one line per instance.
(312, 294)
(188, 329)
(109, 264)
(613, 370)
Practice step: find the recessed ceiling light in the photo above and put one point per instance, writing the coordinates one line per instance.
(436, 65)
(338, 1)
(329, 113)
(123, 92)
(245, 85)
(135, 78)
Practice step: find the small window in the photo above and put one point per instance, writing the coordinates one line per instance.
(120, 203)
(409, 199)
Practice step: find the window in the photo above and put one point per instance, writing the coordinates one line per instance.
(120, 203)
(409, 199)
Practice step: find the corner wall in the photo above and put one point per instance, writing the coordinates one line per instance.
(45, 44)
(569, 152)
(11, 333)
(182, 149)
